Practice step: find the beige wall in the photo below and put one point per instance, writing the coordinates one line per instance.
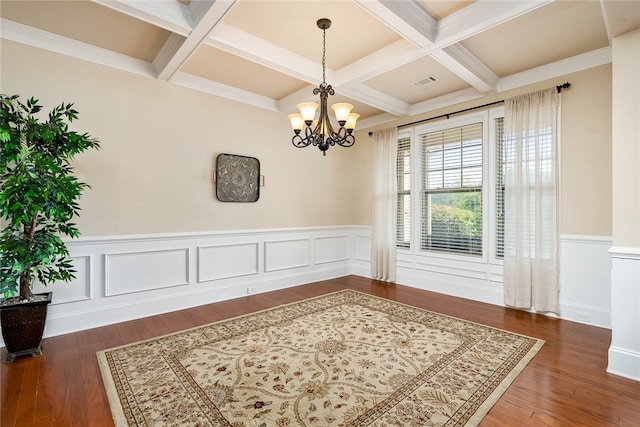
(626, 140)
(153, 174)
(159, 144)
(585, 151)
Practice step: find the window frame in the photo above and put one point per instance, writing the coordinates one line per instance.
(494, 168)
(407, 134)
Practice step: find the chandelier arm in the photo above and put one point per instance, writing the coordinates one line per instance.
(343, 138)
(299, 142)
(308, 139)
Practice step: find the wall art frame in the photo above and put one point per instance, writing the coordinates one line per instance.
(237, 178)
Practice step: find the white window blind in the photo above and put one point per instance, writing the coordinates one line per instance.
(451, 190)
(403, 226)
(500, 170)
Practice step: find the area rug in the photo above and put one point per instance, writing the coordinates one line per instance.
(342, 359)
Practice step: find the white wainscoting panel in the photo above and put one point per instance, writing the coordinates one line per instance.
(287, 254)
(361, 264)
(332, 249)
(363, 247)
(585, 279)
(146, 270)
(226, 261)
(120, 278)
(126, 277)
(624, 352)
(78, 289)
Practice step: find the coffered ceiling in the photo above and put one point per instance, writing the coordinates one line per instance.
(390, 58)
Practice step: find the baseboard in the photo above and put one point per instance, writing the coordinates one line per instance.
(587, 314)
(457, 286)
(624, 363)
(68, 322)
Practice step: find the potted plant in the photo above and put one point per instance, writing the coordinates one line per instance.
(38, 200)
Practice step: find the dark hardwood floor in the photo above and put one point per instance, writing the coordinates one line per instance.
(566, 384)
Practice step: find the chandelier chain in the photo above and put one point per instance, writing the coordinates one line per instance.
(324, 53)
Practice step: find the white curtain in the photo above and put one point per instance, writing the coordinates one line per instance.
(383, 230)
(531, 201)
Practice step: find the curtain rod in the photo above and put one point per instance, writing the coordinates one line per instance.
(558, 88)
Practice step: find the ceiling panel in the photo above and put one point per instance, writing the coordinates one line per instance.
(399, 82)
(222, 67)
(557, 31)
(623, 16)
(292, 25)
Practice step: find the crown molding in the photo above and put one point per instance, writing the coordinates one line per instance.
(170, 15)
(225, 91)
(30, 36)
(574, 64)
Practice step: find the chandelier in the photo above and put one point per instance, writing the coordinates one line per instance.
(320, 132)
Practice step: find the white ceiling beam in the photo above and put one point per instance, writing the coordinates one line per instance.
(481, 16)
(255, 49)
(386, 59)
(406, 18)
(245, 45)
(168, 14)
(466, 66)
(377, 99)
(225, 91)
(177, 50)
(458, 26)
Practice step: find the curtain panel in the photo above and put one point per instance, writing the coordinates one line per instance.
(383, 230)
(531, 265)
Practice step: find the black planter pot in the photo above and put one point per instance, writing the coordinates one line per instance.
(23, 326)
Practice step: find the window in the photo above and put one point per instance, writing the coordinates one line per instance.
(451, 189)
(403, 237)
(455, 171)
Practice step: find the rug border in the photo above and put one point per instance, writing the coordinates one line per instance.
(117, 411)
(506, 382)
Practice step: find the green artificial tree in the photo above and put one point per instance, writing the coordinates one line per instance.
(38, 194)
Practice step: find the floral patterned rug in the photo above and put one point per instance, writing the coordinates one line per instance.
(342, 359)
